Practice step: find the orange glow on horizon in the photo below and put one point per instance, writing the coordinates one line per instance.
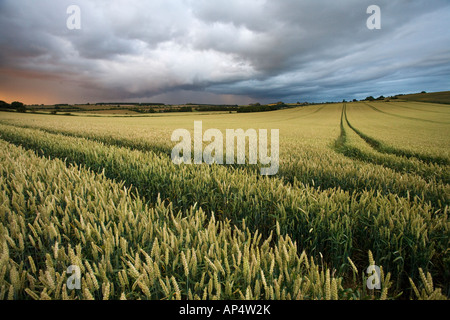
(28, 99)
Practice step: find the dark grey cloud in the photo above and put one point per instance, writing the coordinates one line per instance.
(223, 50)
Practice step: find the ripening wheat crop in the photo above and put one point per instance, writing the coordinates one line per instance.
(103, 194)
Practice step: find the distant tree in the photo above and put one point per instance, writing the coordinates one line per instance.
(380, 98)
(423, 92)
(370, 98)
(19, 106)
(354, 100)
(4, 105)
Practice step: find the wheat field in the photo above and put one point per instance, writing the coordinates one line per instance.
(359, 184)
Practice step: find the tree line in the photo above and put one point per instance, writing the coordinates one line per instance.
(16, 105)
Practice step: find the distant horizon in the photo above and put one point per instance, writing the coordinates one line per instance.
(156, 103)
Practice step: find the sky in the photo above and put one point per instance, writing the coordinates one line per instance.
(221, 51)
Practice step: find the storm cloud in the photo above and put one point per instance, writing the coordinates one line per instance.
(221, 51)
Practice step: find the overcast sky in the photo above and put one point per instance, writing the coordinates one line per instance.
(221, 51)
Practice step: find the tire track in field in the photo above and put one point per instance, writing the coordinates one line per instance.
(318, 110)
(342, 146)
(404, 117)
(310, 114)
(405, 165)
(397, 104)
(342, 139)
(341, 142)
(398, 164)
(303, 116)
(382, 148)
